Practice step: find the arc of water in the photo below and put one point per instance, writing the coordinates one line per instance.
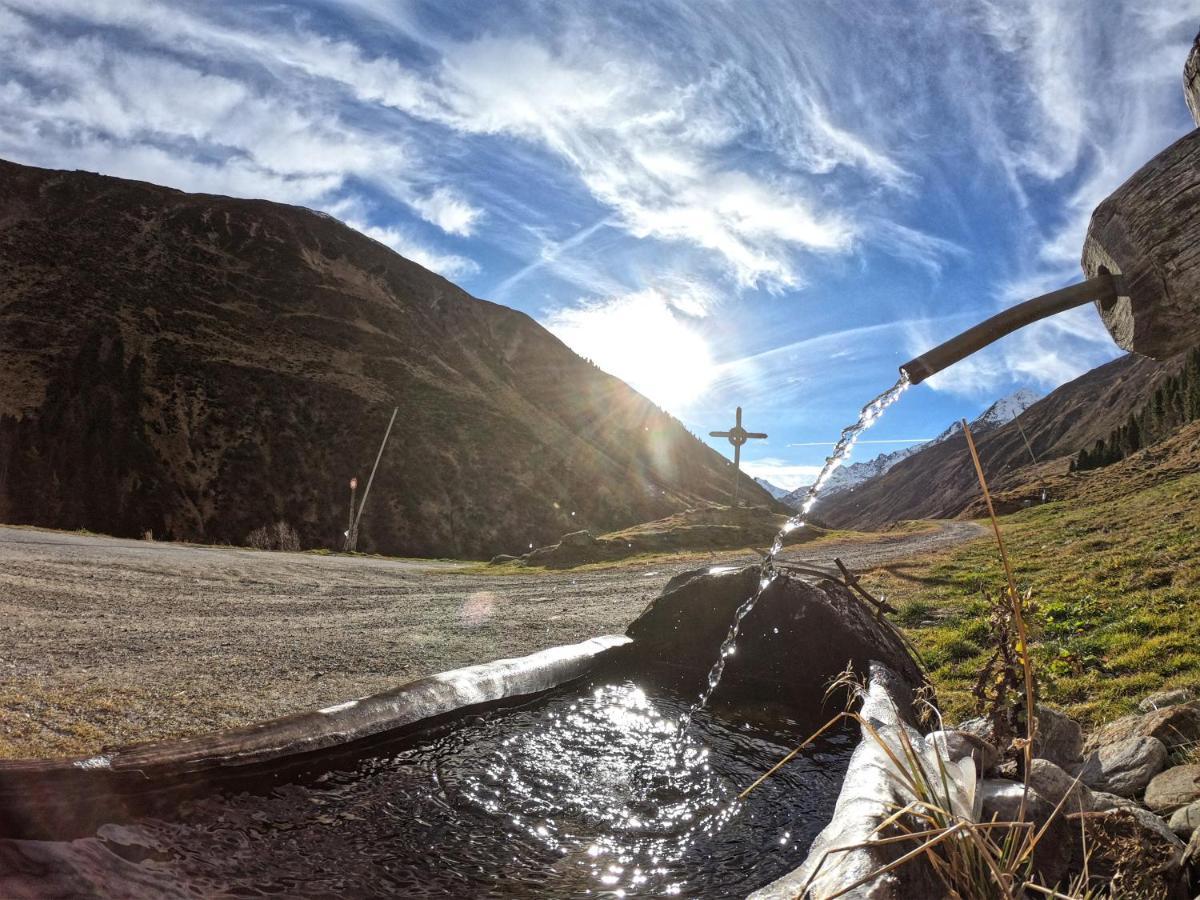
(867, 417)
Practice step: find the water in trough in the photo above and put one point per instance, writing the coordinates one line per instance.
(580, 794)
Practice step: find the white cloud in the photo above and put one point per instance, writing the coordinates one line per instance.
(448, 211)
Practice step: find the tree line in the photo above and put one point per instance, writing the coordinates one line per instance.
(1176, 402)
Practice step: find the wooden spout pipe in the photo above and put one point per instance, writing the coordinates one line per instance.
(1100, 288)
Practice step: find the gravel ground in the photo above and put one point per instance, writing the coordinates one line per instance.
(105, 641)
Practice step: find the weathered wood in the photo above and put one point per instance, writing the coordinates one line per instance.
(1191, 80)
(1148, 234)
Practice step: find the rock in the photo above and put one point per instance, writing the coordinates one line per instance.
(1059, 738)
(1163, 699)
(1191, 853)
(1174, 726)
(1101, 801)
(1053, 784)
(797, 638)
(960, 744)
(502, 558)
(1001, 802)
(577, 539)
(1185, 820)
(1132, 851)
(1176, 787)
(1126, 767)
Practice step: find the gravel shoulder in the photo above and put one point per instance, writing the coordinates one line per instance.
(105, 641)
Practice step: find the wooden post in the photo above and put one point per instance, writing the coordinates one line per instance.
(1147, 235)
(352, 537)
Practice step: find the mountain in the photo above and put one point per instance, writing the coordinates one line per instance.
(198, 366)
(777, 492)
(939, 480)
(850, 477)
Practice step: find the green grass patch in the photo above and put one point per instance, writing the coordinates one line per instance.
(1116, 589)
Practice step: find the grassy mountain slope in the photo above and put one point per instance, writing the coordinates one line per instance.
(1115, 575)
(200, 365)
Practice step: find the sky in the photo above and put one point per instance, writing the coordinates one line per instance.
(723, 202)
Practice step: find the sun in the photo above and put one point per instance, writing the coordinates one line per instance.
(644, 341)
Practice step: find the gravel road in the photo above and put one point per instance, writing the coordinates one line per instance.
(105, 641)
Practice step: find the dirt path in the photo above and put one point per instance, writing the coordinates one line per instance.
(106, 641)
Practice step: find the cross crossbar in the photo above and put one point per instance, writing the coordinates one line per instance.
(737, 436)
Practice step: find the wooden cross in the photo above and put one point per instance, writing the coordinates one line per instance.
(737, 436)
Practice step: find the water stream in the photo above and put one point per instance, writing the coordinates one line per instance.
(867, 417)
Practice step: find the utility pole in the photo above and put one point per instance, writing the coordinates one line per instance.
(737, 436)
(352, 534)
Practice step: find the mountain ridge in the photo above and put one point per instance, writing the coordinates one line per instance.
(197, 366)
(940, 481)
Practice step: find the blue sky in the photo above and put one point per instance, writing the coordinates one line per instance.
(755, 203)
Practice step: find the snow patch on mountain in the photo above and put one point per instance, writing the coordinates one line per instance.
(777, 492)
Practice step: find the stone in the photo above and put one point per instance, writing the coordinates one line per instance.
(800, 634)
(1185, 820)
(1132, 851)
(1059, 738)
(1175, 787)
(1126, 767)
(577, 539)
(1001, 802)
(1163, 699)
(961, 744)
(1175, 726)
(501, 558)
(1053, 784)
(1102, 802)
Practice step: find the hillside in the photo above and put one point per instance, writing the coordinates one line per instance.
(198, 366)
(939, 481)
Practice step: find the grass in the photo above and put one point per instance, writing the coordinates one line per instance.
(1116, 583)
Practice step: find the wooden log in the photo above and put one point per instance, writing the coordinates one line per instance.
(1191, 80)
(1148, 235)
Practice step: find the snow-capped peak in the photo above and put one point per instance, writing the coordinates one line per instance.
(777, 492)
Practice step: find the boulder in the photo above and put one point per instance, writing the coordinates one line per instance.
(1132, 851)
(1176, 787)
(1163, 699)
(1059, 737)
(799, 635)
(1175, 726)
(1185, 820)
(1000, 801)
(1053, 784)
(577, 539)
(1126, 767)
